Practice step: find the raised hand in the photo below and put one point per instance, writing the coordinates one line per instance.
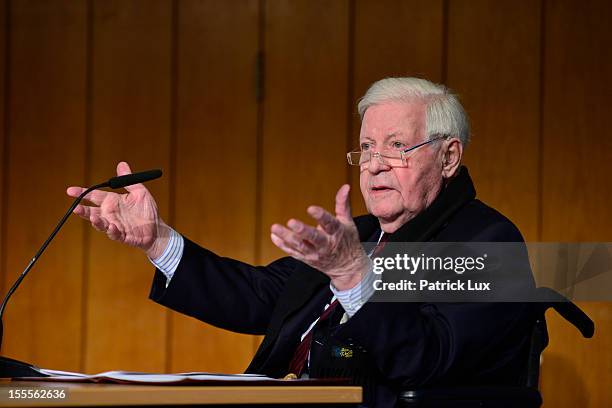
(333, 247)
(131, 218)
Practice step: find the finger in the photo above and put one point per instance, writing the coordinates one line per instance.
(114, 233)
(328, 222)
(85, 211)
(343, 204)
(279, 242)
(124, 169)
(289, 238)
(306, 232)
(99, 223)
(95, 197)
(74, 191)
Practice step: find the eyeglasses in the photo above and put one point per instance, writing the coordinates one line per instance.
(395, 158)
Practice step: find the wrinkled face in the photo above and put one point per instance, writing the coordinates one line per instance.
(397, 194)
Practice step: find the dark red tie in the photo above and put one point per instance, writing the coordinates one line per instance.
(296, 366)
(381, 244)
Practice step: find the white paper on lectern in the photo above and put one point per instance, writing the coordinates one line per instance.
(136, 377)
(58, 373)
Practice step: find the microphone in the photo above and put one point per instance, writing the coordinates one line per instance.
(135, 178)
(14, 368)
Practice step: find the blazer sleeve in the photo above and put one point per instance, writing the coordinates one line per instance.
(224, 292)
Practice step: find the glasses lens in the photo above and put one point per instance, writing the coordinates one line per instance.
(357, 158)
(363, 158)
(393, 159)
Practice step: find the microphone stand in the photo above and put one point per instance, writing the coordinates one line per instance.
(15, 368)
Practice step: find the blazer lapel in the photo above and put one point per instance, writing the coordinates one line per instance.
(304, 283)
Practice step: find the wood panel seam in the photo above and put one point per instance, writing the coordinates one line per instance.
(541, 90)
(350, 85)
(4, 284)
(87, 177)
(259, 146)
(444, 53)
(172, 176)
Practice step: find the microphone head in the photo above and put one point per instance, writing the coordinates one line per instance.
(134, 178)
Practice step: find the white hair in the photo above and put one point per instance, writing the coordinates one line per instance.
(445, 115)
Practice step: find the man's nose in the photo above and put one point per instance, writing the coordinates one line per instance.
(377, 164)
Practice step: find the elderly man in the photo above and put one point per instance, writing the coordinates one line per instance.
(313, 306)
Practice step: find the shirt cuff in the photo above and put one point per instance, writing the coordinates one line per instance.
(352, 299)
(170, 258)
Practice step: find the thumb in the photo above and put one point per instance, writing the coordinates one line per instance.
(123, 168)
(343, 205)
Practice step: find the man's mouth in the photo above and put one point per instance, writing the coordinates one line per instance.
(380, 189)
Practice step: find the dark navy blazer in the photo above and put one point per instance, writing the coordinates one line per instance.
(409, 344)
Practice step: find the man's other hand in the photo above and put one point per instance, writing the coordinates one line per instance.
(131, 218)
(333, 247)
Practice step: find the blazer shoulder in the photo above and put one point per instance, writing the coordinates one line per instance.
(477, 221)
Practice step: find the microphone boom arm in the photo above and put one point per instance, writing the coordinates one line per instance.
(42, 249)
(14, 368)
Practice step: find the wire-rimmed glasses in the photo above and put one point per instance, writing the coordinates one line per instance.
(392, 158)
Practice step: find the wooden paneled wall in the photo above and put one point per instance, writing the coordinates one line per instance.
(217, 137)
(249, 107)
(45, 122)
(576, 190)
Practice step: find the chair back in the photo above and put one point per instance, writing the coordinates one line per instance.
(526, 395)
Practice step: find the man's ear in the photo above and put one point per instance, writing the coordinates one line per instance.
(452, 157)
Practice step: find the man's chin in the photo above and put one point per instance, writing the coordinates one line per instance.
(386, 215)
